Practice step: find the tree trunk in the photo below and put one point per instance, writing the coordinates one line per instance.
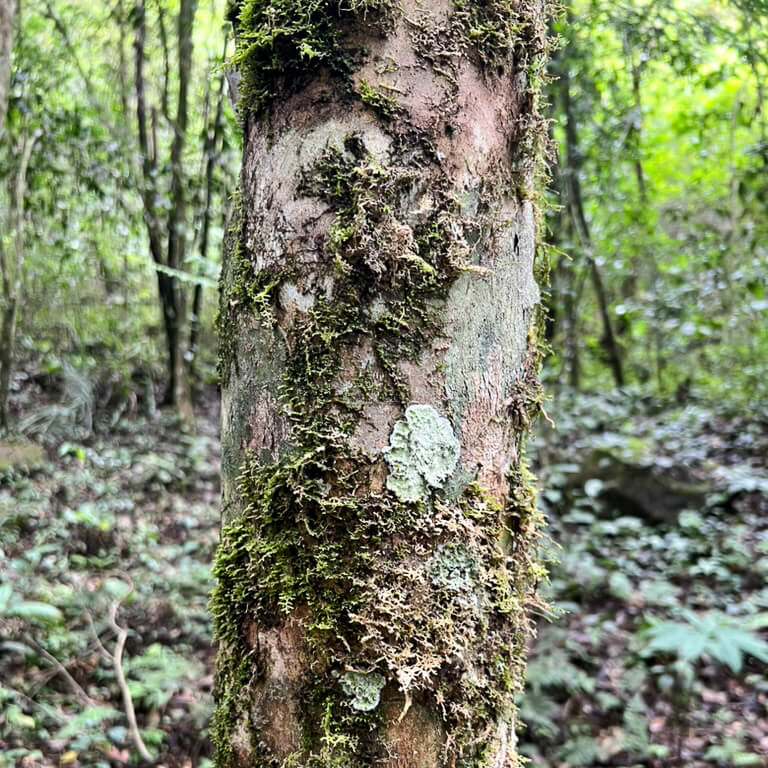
(7, 13)
(7, 345)
(571, 187)
(379, 369)
(170, 290)
(8, 327)
(12, 270)
(213, 133)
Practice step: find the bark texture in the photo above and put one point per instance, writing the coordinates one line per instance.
(7, 13)
(379, 369)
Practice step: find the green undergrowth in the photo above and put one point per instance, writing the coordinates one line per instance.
(125, 519)
(658, 655)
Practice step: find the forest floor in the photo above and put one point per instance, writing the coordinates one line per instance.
(653, 655)
(659, 548)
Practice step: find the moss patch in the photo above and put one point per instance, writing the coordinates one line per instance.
(380, 102)
(279, 41)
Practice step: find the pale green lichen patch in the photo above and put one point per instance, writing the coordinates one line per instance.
(423, 453)
(363, 688)
(453, 568)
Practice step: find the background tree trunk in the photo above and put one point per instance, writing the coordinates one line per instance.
(8, 324)
(379, 367)
(168, 260)
(12, 269)
(7, 13)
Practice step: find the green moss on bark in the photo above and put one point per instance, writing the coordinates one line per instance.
(280, 41)
(383, 104)
(291, 546)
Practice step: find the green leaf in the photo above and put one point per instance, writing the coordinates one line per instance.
(756, 621)
(693, 646)
(15, 716)
(726, 651)
(35, 611)
(85, 720)
(620, 586)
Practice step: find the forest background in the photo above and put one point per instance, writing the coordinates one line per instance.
(119, 154)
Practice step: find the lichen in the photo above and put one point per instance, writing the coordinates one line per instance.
(453, 568)
(423, 453)
(363, 688)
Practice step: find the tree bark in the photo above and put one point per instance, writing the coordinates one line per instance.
(7, 13)
(8, 326)
(12, 270)
(379, 370)
(169, 260)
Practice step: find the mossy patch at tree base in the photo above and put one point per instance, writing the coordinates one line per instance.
(20, 455)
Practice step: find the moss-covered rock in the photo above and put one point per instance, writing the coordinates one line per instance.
(20, 455)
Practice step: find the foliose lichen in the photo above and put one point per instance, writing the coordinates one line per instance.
(423, 453)
(363, 688)
(452, 567)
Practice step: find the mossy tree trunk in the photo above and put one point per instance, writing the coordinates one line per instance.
(8, 322)
(379, 364)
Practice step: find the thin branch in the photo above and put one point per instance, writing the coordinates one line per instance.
(103, 652)
(117, 663)
(166, 59)
(77, 689)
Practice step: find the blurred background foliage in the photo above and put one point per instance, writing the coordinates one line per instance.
(115, 187)
(89, 286)
(659, 212)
